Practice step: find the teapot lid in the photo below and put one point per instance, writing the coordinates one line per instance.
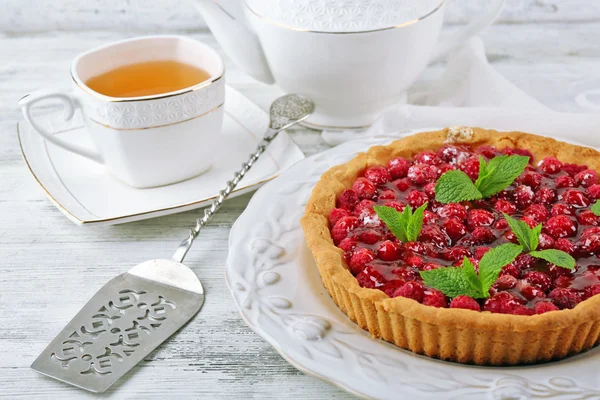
(342, 16)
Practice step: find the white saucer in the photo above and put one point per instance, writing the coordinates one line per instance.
(86, 194)
(277, 288)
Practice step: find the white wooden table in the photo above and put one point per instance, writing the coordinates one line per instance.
(49, 267)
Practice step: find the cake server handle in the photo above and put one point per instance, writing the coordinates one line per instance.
(285, 112)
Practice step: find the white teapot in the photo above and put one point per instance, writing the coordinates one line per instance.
(352, 57)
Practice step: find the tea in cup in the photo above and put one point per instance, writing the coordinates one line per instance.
(153, 107)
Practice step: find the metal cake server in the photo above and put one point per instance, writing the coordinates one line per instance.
(136, 311)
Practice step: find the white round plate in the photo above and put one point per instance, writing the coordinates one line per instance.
(278, 290)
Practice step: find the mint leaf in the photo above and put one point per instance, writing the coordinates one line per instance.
(500, 172)
(415, 223)
(455, 186)
(472, 278)
(596, 208)
(393, 219)
(492, 262)
(451, 281)
(405, 225)
(556, 257)
(526, 236)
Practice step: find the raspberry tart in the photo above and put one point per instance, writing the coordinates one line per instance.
(468, 245)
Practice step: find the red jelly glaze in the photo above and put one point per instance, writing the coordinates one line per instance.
(553, 193)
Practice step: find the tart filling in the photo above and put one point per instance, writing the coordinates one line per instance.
(559, 196)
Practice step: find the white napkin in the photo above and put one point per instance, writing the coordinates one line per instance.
(471, 92)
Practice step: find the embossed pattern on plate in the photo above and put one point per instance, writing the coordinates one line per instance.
(278, 291)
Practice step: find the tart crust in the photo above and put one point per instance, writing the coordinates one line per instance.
(453, 334)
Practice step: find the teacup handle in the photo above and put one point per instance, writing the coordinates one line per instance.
(70, 103)
(481, 22)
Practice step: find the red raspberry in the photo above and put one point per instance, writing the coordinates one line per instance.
(465, 302)
(590, 243)
(478, 217)
(390, 287)
(420, 174)
(435, 298)
(412, 290)
(564, 182)
(453, 210)
(427, 157)
(575, 198)
(560, 226)
(348, 244)
(457, 253)
(588, 218)
(342, 227)
(538, 212)
(593, 290)
(416, 198)
(433, 234)
(530, 221)
(348, 199)
(530, 291)
(429, 217)
(430, 266)
(545, 242)
(364, 188)
(378, 175)
(550, 165)
(505, 206)
(416, 247)
(564, 297)
(538, 278)
(502, 302)
(406, 274)
(429, 190)
(443, 168)
(511, 270)
(565, 245)
(389, 251)
(593, 192)
(523, 196)
(505, 282)
(483, 234)
(454, 228)
(370, 236)
(360, 258)
(501, 224)
(587, 178)
(561, 209)
(487, 151)
(480, 252)
(336, 214)
(397, 205)
(470, 167)
(590, 231)
(573, 169)
(452, 154)
(545, 196)
(556, 272)
(520, 152)
(370, 278)
(562, 281)
(387, 195)
(398, 167)
(414, 261)
(401, 184)
(364, 207)
(531, 179)
(542, 307)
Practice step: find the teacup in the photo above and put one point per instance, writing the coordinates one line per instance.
(150, 140)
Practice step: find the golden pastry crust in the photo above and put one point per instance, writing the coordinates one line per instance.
(447, 333)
